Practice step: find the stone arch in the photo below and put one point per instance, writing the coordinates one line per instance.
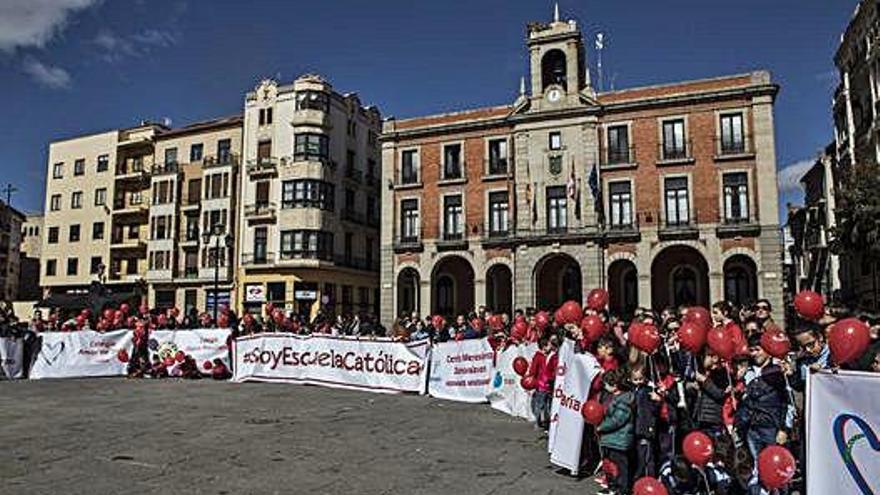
(554, 69)
(452, 285)
(679, 276)
(557, 277)
(740, 279)
(623, 286)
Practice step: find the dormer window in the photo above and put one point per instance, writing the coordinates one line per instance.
(312, 100)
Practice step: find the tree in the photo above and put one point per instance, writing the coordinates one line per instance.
(858, 213)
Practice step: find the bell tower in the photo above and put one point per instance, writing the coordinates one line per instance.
(558, 62)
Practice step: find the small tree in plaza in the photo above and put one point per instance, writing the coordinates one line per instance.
(858, 213)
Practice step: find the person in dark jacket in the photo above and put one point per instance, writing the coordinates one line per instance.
(647, 409)
(763, 411)
(713, 386)
(616, 430)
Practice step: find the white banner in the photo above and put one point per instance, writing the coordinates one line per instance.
(843, 433)
(81, 354)
(566, 353)
(377, 365)
(462, 370)
(203, 345)
(572, 388)
(507, 394)
(11, 358)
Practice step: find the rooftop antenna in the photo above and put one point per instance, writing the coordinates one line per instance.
(556, 12)
(522, 86)
(600, 45)
(9, 189)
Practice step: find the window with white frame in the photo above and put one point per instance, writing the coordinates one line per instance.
(409, 167)
(498, 213)
(674, 140)
(677, 203)
(732, 134)
(452, 163)
(76, 200)
(621, 204)
(409, 219)
(453, 217)
(497, 157)
(736, 197)
(557, 208)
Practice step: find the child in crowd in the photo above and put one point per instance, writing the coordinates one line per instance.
(543, 371)
(647, 408)
(616, 431)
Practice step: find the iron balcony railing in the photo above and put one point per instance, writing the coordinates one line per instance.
(667, 152)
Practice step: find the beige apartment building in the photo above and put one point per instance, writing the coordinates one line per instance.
(310, 199)
(10, 242)
(31, 247)
(96, 212)
(193, 215)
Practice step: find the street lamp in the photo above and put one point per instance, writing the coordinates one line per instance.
(214, 255)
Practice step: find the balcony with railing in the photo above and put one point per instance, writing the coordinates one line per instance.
(260, 212)
(611, 158)
(682, 225)
(166, 168)
(452, 241)
(675, 154)
(262, 168)
(189, 237)
(124, 240)
(627, 230)
(408, 242)
(129, 207)
(190, 202)
(734, 149)
(737, 226)
(496, 168)
(257, 260)
(223, 160)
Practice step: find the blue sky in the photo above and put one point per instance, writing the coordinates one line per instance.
(70, 67)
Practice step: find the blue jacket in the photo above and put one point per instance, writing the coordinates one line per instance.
(616, 430)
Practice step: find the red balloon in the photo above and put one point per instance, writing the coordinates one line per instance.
(478, 324)
(597, 299)
(692, 337)
(740, 345)
(721, 343)
(168, 361)
(521, 365)
(593, 412)
(593, 327)
(208, 364)
(570, 312)
(698, 448)
(108, 314)
(644, 337)
(87, 313)
(80, 321)
(496, 322)
(809, 305)
(122, 356)
(528, 383)
(520, 328)
(649, 486)
(775, 343)
(278, 316)
(125, 308)
(776, 467)
(438, 321)
(179, 356)
(542, 319)
(699, 316)
(848, 340)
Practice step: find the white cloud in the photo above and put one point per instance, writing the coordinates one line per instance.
(789, 177)
(47, 75)
(114, 48)
(34, 23)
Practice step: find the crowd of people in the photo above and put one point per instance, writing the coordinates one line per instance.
(675, 381)
(671, 383)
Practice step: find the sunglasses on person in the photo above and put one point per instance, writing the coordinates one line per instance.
(762, 307)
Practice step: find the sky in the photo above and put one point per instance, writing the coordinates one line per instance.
(70, 67)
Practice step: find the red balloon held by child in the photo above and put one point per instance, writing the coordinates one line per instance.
(698, 448)
(848, 340)
(593, 412)
(692, 337)
(721, 343)
(775, 343)
(776, 467)
(649, 486)
(809, 305)
(520, 365)
(597, 299)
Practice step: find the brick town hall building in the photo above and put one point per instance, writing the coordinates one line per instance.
(663, 194)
